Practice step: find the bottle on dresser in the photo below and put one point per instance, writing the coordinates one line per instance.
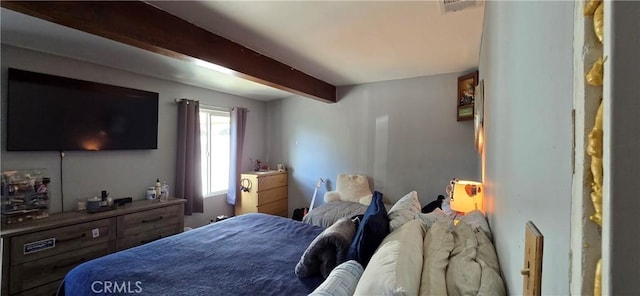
(158, 188)
(164, 191)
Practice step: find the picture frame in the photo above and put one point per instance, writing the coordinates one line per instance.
(465, 97)
(478, 117)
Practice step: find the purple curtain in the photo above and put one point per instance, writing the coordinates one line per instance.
(238, 124)
(189, 174)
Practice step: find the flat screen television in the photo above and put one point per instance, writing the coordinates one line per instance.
(52, 113)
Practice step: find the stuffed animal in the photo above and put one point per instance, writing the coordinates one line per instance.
(433, 205)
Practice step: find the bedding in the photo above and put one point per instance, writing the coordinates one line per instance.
(373, 228)
(251, 254)
(396, 266)
(473, 265)
(328, 213)
(404, 210)
(342, 280)
(438, 244)
(327, 250)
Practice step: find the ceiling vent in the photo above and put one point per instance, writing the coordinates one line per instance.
(447, 6)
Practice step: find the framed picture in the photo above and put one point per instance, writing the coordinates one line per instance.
(478, 117)
(466, 96)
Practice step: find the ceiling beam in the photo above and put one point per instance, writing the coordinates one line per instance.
(147, 27)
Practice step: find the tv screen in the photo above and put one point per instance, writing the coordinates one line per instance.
(51, 113)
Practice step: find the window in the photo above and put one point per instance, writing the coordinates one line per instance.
(215, 141)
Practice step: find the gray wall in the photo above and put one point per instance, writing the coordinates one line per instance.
(526, 62)
(403, 134)
(621, 259)
(123, 173)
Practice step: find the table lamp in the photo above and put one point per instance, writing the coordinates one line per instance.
(466, 196)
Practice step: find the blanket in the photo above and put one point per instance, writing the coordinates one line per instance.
(327, 250)
(326, 214)
(252, 254)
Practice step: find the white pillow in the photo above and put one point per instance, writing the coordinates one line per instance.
(491, 283)
(404, 210)
(463, 272)
(486, 253)
(438, 244)
(341, 281)
(395, 268)
(477, 220)
(431, 218)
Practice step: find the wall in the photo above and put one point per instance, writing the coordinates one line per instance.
(526, 62)
(123, 173)
(403, 134)
(621, 110)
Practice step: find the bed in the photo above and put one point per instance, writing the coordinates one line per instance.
(231, 257)
(400, 250)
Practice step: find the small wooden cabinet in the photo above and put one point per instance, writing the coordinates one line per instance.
(265, 192)
(38, 254)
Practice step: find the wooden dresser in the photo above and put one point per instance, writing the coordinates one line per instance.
(38, 254)
(267, 193)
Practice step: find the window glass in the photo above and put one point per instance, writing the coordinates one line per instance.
(215, 140)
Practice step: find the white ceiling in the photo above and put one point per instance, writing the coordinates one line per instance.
(340, 42)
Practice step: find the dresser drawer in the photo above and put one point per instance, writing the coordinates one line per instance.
(24, 248)
(271, 181)
(269, 196)
(49, 289)
(274, 208)
(148, 220)
(142, 238)
(143, 227)
(36, 273)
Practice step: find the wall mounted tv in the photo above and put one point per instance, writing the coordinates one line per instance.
(51, 113)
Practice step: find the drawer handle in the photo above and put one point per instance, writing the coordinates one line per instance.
(152, 220)
(71, 238)
(148, 241)
(69, 264)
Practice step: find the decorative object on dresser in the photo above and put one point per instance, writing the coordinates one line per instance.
(37, 254)
(263, 192)
(25, 195)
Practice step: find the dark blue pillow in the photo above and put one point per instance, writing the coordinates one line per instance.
(373, 228)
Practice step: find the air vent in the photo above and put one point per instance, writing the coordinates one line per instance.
(447, 6)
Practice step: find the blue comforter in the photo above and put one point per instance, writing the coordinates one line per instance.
(252, 254)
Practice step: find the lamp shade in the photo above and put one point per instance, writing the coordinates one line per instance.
(466, 196)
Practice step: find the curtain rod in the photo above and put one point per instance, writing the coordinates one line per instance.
(210, 106)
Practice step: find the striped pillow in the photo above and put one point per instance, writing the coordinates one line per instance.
(341, 281)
